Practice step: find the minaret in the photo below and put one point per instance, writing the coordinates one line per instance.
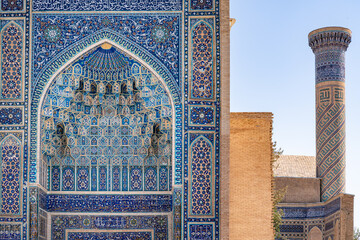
(329, 45)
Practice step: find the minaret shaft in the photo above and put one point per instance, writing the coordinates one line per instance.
(329, 46)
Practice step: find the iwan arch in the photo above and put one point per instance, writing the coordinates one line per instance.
(110, 119)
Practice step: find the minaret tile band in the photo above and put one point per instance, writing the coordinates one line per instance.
(329, 45)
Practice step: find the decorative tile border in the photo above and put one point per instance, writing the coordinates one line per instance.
(108, 203)
(107, 5)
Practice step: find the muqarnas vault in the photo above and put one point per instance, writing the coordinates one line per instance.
(110, 119)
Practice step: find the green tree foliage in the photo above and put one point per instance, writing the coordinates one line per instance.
(356, 234)
(278, 195)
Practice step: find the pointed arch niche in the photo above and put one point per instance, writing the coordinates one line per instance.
(106, 124)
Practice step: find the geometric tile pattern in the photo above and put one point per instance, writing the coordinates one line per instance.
(202, 59)
(109, 114)
(11, 116)
(291, 228)
(330, 148)
(329, 47)
(10, 231)
(11, 61)
(10, 175)
(201, 177)
(201, 231)
(8, 5)
(105, 5)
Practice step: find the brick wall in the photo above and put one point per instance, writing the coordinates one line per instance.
(250, 176)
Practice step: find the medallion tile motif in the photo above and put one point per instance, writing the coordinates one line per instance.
(202, 4)
(202, 115)
(11, 116)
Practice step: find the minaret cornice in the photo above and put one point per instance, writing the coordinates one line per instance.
(337, 38)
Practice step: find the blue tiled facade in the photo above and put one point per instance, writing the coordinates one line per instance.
(109, 119)
(299, 219)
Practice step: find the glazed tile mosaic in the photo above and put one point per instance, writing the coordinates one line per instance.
(109, 119)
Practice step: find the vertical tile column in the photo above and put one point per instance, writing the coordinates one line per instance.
(329, 45)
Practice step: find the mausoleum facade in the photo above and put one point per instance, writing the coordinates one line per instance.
(111, 119)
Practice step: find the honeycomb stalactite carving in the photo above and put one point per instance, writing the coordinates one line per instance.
(106, 129)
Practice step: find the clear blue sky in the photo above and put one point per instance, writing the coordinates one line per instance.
(272, 70)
